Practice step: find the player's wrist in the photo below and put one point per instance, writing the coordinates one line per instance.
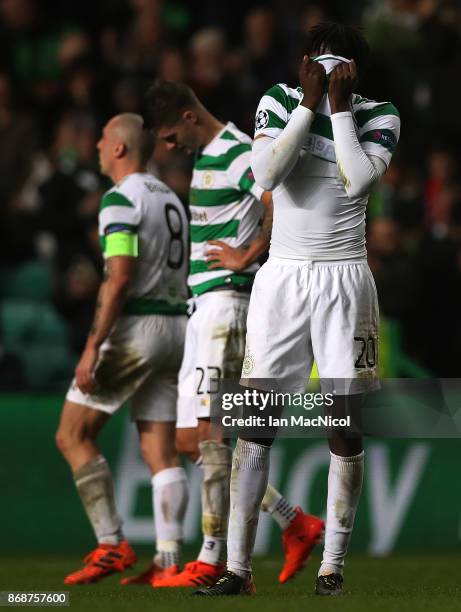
(339, 106)
(245, 259)
(308, 105)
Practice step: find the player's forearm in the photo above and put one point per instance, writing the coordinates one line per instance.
(261, 243)
(358, 172)
(273, 159)
(111, 299)
(257, 248)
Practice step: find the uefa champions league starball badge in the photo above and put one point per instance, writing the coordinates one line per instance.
(262, 119)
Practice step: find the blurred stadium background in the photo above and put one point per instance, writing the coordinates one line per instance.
(65, 68)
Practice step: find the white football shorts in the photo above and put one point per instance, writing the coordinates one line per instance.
(301, 311)
(214, 349)
(139, 362)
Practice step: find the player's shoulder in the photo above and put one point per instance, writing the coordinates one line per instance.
(288, 97)
(370, 112)
(116, 196)
(225, 149)
(143, 184)
(233, 136)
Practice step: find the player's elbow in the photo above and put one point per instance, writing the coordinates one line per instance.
(264, 178)
(263, 168)
(360, 187)
(268, 183)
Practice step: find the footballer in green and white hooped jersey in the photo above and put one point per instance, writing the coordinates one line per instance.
(225, 206)
(133, 352)
(143, 216)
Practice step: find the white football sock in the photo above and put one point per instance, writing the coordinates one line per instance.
(170, 497)
(278, 507)
(168, 553)
(216, 465)
(250, 471)
(344, 487)
(96, 489)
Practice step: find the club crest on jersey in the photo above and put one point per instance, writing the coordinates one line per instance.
(248, 364)
(262, 119)
(208, 179)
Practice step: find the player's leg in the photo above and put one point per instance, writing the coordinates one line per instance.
(153, 408)
(300, 531)
(76, 439)
(169, 499)
(214, 343)
(337, 340)
(122, 368)
(345, 478)
(76, 436)
(223, 335)
(216, 460)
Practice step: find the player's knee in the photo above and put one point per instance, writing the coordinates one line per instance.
(148, 453)
(68, 438)
(61, 441)
(66, 441)
(159, 456)
(187, 444)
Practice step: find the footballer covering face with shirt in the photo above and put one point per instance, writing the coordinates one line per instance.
(320, 148)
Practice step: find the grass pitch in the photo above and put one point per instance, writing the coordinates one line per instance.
(396, 583)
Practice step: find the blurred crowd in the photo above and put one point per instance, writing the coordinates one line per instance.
(66, 67)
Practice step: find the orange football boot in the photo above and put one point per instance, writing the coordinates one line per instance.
(298, 541)
(153, 573)
(105, 560)
(194, 574)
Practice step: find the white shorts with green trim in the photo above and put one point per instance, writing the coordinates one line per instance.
(301, 311)
(139, 362)
(214, 349)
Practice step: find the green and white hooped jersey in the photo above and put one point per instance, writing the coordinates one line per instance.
(142, 217)
(313, 216)
(224, 205)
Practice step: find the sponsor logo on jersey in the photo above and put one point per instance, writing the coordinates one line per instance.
(201, 216)
(321, 147)
(262, 119)
(208, 179)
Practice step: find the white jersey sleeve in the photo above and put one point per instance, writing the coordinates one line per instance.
(275, 108)
(117, 213)
(378, 129)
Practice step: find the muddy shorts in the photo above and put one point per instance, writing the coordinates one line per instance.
(214, 349)
(138, 362)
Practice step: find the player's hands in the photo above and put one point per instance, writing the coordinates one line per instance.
(312, 80)
(225, 256)
(343, 80)
(84, 372)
